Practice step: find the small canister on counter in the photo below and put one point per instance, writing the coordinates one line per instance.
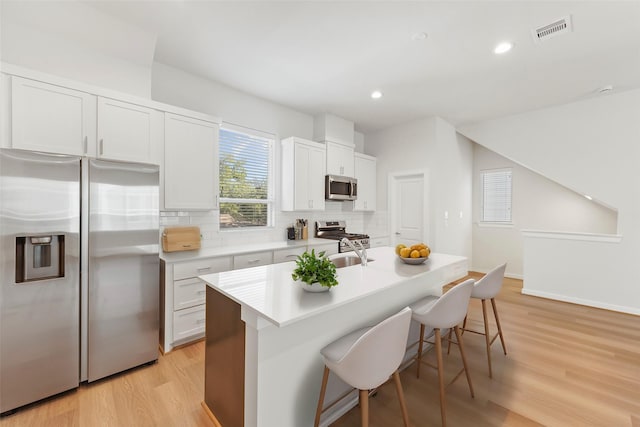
(291, 234)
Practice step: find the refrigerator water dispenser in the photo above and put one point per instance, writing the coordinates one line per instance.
(39, 257)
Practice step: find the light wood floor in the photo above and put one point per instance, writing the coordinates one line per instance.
(567, 365)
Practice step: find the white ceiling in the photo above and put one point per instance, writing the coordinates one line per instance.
(328, 56)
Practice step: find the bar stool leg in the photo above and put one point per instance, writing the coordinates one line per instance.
(403, 406)
(464, 358)
(495, 314)
(443, 409)
(364, 407)
(420, 349)
(487, 338)
(323, 389)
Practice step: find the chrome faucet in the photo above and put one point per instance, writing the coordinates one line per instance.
(362, 253)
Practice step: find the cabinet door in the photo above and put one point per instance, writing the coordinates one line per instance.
(127, 131)
(301, 175)
(365, 173)
(51, 118)
(339, 159)
(190, 163)
(309, 178)
(316, 178)
(303, 170)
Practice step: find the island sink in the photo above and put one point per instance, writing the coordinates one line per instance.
(347, 261)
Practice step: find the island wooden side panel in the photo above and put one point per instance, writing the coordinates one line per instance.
(224, 359)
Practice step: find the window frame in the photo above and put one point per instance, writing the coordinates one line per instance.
(270, 200)
(497, 223)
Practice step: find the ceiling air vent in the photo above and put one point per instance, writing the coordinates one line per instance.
(556, 28)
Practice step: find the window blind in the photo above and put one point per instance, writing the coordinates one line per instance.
(245, 179)
(496, 196)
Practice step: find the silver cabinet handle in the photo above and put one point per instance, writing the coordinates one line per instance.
(291, 256)
(204, 268)
(101, 146)
(397, 233)
(253, 261)
(86, 144)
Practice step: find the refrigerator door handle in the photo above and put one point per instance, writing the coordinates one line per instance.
(86, 144)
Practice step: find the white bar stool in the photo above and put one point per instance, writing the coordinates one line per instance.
(487, 288)
(440, 313)
(366, 358)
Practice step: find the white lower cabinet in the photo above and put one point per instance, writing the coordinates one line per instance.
(252, 260)
(183, 299)
(328, 248)
(189, 323)
(377, 242)
(285, 255)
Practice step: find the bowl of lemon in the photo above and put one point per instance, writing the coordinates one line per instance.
(414, 254)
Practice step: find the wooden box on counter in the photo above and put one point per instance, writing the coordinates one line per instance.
(176, 239)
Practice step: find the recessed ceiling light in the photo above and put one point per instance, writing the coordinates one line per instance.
(503, 47)
(419, 36)
(376, 94)
(588, 197)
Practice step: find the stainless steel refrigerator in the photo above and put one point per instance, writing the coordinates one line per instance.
(79, 272)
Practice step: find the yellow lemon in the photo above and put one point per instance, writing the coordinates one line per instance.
(415, 253)
(424, 253)
(399, 248)
(405, 252)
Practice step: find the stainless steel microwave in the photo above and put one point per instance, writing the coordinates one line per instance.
(338, 187)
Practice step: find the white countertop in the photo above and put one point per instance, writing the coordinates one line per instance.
(271, 293)
(240, 249)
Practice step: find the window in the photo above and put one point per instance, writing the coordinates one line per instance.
(496, 196)
(246, 194)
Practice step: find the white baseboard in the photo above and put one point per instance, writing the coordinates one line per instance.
(506, 273)
(581, 301)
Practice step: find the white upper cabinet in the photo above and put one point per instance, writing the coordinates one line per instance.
(365, 173)
(128, 132)
(303, 170)
(191, 163)
(52, 118)
(339, 159)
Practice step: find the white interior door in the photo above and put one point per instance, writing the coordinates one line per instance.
(407, 208)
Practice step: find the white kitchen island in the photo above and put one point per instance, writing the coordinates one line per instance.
(264, 333)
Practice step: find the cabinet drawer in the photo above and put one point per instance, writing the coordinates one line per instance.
(185, 270)
(285, 255)
(252, 260)
(188, 322)
(329, 249)
(379, 241)
(188, 293)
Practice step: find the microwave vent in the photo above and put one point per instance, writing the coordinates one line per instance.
(554, 29)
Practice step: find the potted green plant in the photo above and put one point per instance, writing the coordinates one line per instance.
(315, 273)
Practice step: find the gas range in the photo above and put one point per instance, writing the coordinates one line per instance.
(336, 230)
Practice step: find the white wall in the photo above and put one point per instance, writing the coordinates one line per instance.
(71, 42)
(591, 146)
(430, 144)
(537, 204)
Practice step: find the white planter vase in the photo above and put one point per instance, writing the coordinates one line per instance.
(314, 287)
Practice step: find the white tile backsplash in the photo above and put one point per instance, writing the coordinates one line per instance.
(373, 223)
